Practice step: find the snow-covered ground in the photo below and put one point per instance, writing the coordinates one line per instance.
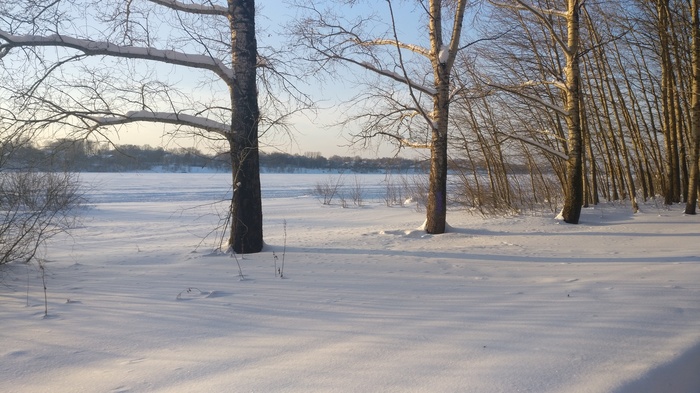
(368, 303)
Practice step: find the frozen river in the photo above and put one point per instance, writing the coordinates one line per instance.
(172, 187)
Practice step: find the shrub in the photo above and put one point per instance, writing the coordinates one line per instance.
(326, 190)
(34, 206)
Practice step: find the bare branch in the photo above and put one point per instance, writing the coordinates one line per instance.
(393, 75)
(421, 110)
(163, 117)
(394, 42)
(456, 34)
(96, 48)
(200, 9)
(537, 100)
(403, 142)
(532, 142)
(541, 14)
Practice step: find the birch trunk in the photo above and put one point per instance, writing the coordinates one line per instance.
(573, 194)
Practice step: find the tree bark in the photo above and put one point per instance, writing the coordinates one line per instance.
(436, 217)
(573, 194)
(246, 204)
(672, 186)
(436, 207)
(691, 203)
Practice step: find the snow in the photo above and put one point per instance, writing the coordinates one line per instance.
(139, 303)
(444, 54)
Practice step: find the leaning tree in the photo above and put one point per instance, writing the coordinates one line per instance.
(92, 66)
(410, 100)
(562, 26)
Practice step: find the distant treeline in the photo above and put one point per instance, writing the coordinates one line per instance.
(88, 156)
(290, 163)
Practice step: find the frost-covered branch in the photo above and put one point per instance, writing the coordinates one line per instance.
(393, 75)
(558, 84)
(163, 117)
(393, 42)
(200, 9)
(98, 48)
(403, 142)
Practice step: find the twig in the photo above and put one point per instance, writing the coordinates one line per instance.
(240, 270)
(43, 281)
(284, 248)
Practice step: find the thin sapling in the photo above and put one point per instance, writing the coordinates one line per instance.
(284, 247)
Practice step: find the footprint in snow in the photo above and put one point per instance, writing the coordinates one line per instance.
(196, 293)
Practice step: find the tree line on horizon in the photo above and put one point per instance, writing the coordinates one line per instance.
(80, 155)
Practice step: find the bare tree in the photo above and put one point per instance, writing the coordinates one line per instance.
(410, 100)
(567, 39)
(328, 189)
(672, 191)
(635, 102)
(34, 206)
(90, 66)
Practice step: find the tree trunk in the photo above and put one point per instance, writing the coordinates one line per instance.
(668, 98)
(246, 203)
(436, 218)
(573, 194)
(691, 203)
(435, 222)
(593, 168)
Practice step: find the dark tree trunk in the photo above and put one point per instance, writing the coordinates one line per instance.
(246, 203)
(437, 193)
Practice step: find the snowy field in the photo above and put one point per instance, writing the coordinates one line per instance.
(139, 303)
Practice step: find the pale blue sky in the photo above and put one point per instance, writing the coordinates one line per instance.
(313, 131)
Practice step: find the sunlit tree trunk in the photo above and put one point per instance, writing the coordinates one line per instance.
(567, 78)
(442, 63)
(573, 193)
(691, 203)
(437, 191)
(414, 115)
(673, 187)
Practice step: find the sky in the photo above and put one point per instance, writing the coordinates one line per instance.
(312, 131)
